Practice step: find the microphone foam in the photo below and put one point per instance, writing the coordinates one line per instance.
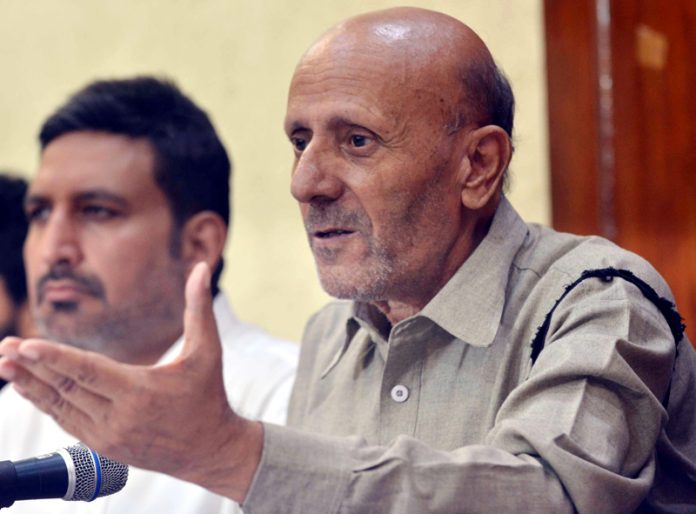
(95, 476)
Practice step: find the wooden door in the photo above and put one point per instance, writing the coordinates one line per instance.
(622, 119)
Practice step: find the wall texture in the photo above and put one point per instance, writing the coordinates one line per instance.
(235, 58)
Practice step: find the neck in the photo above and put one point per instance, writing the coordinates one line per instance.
(418, 294)
(396, 311)
(154, 352)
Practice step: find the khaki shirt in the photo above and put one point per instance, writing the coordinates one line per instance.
(445, 412)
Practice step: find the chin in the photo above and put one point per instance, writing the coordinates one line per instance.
(352, 288)
(68, 331)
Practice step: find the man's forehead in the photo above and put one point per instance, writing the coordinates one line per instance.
(352, 84)
(88, 161)
(335, 103)
(405, 42)
(388, 58)
(351, 68)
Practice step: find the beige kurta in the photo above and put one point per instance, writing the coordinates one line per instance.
(445, 412)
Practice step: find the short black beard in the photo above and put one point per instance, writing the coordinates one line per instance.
(65, 306)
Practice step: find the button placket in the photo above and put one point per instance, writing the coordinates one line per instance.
(400, 388)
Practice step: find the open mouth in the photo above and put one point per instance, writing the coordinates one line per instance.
(326, 234)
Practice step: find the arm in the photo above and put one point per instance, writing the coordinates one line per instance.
(579, 433)
(173, 418)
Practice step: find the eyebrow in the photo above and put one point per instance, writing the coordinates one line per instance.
(333, 122)
(294, 127)
(85, 196)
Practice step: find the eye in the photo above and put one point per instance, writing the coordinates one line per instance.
(97, 212)
(37, 213)
(359, 140)
(299, 142)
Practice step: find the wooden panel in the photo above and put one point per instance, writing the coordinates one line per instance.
(655, 139)
(572, 97)
(633, 179)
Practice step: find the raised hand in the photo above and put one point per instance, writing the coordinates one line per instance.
(173, 418)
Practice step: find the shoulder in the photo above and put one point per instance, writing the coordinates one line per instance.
(554, 281)
(557, 257)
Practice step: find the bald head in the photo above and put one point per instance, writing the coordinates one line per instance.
(423, 48)
(420, 33)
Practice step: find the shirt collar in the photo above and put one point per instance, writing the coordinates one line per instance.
(470, 305)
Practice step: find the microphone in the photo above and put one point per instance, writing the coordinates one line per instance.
(76, 473)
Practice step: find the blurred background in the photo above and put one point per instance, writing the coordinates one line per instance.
(235, 59)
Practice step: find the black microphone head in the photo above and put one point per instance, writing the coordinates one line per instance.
(94, 475)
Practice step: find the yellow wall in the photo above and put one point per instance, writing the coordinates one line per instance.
(235, 58)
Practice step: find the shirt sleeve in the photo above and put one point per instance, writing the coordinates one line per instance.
(578, 435)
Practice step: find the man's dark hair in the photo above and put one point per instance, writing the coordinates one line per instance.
(487, 96)
(191, 165)
(13, 230)
(487, 99)
(500, 101)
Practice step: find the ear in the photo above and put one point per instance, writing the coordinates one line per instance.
(488, 153)
(203, 239)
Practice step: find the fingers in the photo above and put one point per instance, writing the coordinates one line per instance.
(8, 355)
(58, 396)
(88, 394)
(198, 288)
(200, 329)
(9, 345)
(65, 368)
(72, 417)
(53, 388)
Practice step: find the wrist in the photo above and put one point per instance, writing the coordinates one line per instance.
(230, 467)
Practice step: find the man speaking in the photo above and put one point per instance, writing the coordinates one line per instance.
(476, 363)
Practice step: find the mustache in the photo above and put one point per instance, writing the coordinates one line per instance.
(331, 215)
(90, 284)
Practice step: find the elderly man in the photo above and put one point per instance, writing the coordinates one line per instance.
(481, 365)
(132, 190)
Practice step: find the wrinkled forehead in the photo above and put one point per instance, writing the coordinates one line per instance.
(377, 72)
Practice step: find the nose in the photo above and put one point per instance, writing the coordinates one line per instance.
(314, 176)
(54, 240)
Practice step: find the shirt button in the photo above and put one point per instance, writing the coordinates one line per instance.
(399, 393)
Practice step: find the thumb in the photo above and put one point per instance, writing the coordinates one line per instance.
(200, 331)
